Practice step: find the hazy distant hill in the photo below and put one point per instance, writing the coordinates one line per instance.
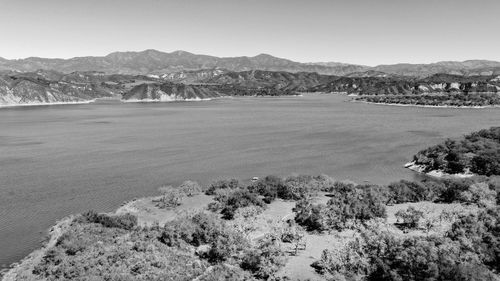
(467, 68)
(159, 63)
(156, 62)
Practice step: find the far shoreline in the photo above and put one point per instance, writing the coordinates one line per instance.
(427, 106)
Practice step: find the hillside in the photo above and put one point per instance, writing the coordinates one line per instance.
(168, 92)
(52, 87)
(35, 89)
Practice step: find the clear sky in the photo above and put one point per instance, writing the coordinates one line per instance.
(367, 32)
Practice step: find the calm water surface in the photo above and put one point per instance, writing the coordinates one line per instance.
(59, 160)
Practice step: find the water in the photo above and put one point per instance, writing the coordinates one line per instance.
(59, 160)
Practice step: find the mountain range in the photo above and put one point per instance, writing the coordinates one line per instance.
(159, 63)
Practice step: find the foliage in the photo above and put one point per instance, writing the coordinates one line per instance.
(411, 191)
(443, 99)
(478, 152)
(190, 188)
(310, 216)
(480, 194)
(469, 251)
(265, 259)
(223, 272)
(296, 187)
(481, 234)
(348, 205)
(349, 260)
(125, 221)
(222, 184)
(227, 203)
(410, 217)
(92, 251)
(170, 198)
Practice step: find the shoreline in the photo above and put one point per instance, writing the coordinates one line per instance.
(435, 173)
(24, 267)
(428, 106)
(47, 103)
(159, 101)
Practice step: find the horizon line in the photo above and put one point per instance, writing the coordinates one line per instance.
(247, 56)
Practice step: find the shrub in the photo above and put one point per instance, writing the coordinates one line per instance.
(410, 217)
(268, 187)
(408, 191)
(349, 260)
(223, 272)
(480, 194)
(231, 201)
(190, 188)
(310, 216)
(205, 229)
(486, 163)
(481, 232)
(266, 259)
(170, 198)
(222, 184)
(298, 187)
(125, 221)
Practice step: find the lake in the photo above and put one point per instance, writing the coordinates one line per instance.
(59, 160)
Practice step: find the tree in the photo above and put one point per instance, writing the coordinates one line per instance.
(480, 194)
(410, 217)
(266, 259)
(170, 198)
(190, 188)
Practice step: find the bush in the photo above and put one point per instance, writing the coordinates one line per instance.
(348, 205)
(478, 152)
(481, 232)
(205, 229)
(408, 191)
(298, 188)
(223, 272)
(480, 194)
(125, 221)
(170, 198)
(222, 184)
(486, 163)
(310, 216)
(410, 217)
(268, 187)
(266, 259)
(349, 261)
(231, 201)
(190, 188)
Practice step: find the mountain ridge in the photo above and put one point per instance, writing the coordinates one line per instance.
(152, 61)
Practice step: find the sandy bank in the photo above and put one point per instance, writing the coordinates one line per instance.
(437, 173)
(47, 103)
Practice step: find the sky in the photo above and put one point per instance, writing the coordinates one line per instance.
(369, 32)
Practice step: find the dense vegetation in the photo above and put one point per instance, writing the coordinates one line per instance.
(478, 152)
(470, 250)
(442, 99)
(193, 246)
(216, 244)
